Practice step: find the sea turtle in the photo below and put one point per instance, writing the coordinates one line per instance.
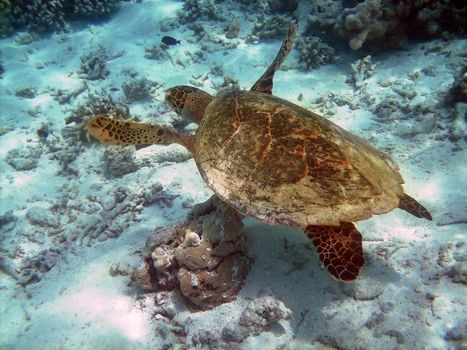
(280, 163)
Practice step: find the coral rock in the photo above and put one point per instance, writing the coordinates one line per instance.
(41, 217)
(24, 158)
(233, 30)
(33, 269)
(204, 257)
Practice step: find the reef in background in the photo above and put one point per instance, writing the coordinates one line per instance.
(43, 16)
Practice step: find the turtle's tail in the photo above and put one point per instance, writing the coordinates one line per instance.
(411, 206)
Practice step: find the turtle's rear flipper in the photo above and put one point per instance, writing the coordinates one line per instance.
(339, 249)
(411, 206)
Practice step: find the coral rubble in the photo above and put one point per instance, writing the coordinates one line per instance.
(34, 268)
(93, 65)
(138, 89)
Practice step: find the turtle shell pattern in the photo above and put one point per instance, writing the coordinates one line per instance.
(283, 164)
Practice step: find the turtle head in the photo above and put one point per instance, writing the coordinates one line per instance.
(188, 101)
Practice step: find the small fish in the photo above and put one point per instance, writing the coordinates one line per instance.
(168, 40)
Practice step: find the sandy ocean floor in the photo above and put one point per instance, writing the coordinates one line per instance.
(75, 215)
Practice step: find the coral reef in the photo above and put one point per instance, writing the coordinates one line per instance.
(6, 26)
(283, 6)
(93, 65)
(323, 16)
(50, 15)
(204, 258)
(195, 10)
(271, 27)
(364, 21)
(458, 272)
(39, 15)
(90, 8)
(387, 23)
(313, 52)
(65, 153)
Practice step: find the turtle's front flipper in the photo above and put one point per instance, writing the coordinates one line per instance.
(123, 133)
(411, 206)
(264, 84)
(339, 249)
